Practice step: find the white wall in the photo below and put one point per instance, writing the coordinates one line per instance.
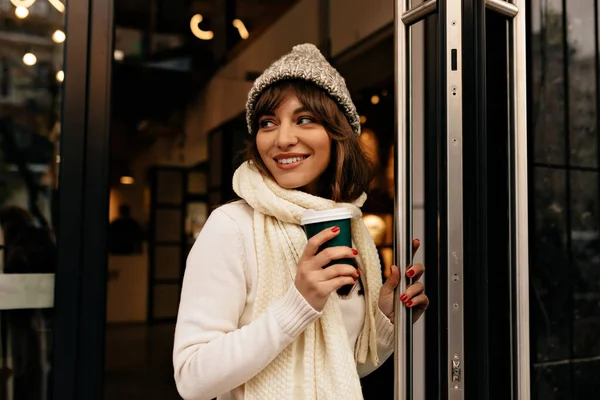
(354, 20)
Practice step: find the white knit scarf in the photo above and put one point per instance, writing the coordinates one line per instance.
(327, 363)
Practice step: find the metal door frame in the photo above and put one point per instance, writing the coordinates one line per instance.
(80, 288)
(450, 191)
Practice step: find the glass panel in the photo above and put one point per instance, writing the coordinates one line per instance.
(583, 132)
(197, 214)
(585, 271)
(550, 319)
(31, 75)
(168, 264)
(547, 82)
(197, 182)
(166, 300)
(168, 225)
(169, 188)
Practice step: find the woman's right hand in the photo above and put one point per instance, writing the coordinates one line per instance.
(316, 283)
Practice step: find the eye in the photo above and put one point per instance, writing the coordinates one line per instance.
(305, 120)
(265, 123)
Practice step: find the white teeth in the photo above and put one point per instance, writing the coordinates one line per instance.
(290, 160)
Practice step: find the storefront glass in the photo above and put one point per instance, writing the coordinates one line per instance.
(32, 36)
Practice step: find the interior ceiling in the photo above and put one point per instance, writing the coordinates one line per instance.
(158, 95)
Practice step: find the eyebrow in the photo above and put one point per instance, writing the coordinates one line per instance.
(301, 110)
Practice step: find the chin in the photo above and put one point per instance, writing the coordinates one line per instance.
(291, 183)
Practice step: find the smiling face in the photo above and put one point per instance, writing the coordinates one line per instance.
(293, 145)
(303, 140)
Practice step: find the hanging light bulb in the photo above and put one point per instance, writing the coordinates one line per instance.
(199, 33)
(58, 5)
(21, 12)
(241, 28)
(60, 76)
(58, 36)
(29, 59)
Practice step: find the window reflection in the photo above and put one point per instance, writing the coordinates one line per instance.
(32, 36)
(565, 247)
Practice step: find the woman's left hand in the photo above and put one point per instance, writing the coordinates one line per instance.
(414, 297)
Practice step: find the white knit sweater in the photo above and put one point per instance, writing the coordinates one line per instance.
(217, 346)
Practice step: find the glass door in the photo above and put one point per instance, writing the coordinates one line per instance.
(54, 65)
(476, 205)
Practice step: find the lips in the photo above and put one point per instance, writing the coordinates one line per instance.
(289, 160)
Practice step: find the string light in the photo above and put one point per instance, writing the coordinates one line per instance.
(60, 76)
(58, 5)
(241, 28)
(29, 59)
(119, 55)
(199, 33)
(58, 36)
(375, 99)
(22, 3)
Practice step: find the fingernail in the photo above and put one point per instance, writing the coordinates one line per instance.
(410, 273)
(409, 304)
(357, 272)
(335, 229)
(403, 298)
(355, 252)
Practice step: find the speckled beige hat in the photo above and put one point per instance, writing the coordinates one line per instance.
(305, 62)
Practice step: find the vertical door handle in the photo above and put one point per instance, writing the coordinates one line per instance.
(405, 17)
(515, 11)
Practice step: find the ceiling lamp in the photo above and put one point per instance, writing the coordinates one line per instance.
(199, 33)
(29, 59)
(127, 180)
(21, 12)
(58, 5)
(58, 36)
(60, 76)
(241, 28)
(22, 3)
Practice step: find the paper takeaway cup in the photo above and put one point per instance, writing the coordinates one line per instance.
(317, 221)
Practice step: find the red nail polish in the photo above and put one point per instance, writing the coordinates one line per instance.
(410, 273)
(355, 252)
(409, 304)
(335, 229)
(403, 297)
(357, 272)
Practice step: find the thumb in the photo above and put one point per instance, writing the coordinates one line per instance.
(392, 281)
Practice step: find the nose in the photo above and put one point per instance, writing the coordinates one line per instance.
(286, 137)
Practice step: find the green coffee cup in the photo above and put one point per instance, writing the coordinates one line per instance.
(317, 221)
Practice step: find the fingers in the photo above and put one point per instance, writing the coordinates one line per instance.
(330, 254)
(334, 271)
(392, 281)
(415, 271)
(411, 292)
(315, 242)
(336, 283)
(416, 243)
(420, 301)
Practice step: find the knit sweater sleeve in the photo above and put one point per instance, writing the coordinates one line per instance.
(385, 344)
(212, 355)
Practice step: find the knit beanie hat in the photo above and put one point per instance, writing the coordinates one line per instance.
(307, 63)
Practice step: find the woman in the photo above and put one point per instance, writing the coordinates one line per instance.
(259, 316)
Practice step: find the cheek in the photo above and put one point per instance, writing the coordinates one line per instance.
(262, 146)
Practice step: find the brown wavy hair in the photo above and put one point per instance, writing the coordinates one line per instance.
(349, 171)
